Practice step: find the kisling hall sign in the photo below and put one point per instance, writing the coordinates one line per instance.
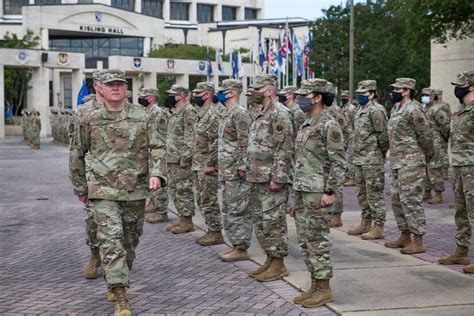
(102, 29)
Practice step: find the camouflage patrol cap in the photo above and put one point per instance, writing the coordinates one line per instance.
(331, 88)
(230, 84)
(204, 86)
(427, 91)
(112, 75)
(266, 80)
(88, 98)
(466, 77)
(146, 92)
(314, 85)
(54, 111)
(366, 85)
(178, 89)
(345, 93)
(404, 83)
(97, 74)
(287, 89)
(437, 92)
(129, 94)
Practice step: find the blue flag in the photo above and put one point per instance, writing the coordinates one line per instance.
(235, 65)
(209, 64)
(82, 93)
(9, 114)
(261, 54)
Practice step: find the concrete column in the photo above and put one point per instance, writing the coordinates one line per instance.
(183, 80)
(166, 10)
(44, 39)
(136, 85)
(1, 9)
(138, 6)
(56, 87)
(149, 80)
(193, 12)
(146, 46)
(2, 102)
(240, 13)
(40, 97)
(218, 12)
(76, 83)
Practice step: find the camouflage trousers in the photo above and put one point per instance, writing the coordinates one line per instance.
(91, 228)
(407, 199)
(312, 227)
(180, 183)
(434, 178)
(207, 188)
(160, 200)
(338, 194)
(370, 180)
(351, 168)
(119, 227)
(269, 218)
(236, 214)
(464, 198)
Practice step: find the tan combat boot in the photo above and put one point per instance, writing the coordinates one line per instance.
(157, 218)
(321, 296)
(362, 228)
(185, 226)
(122, 306)
(150, 207)
(211, 238)
(236, 254)
(402, 241)
(170, 227)
(254, 272)
(469, 268)
(416, 246)
(437, 199)
(349, 183)
(336, 221)
(427, 196)
(376, 232)
(304, 296)
(459, 256)
(275, 271)
(91, 269)
(110, 296)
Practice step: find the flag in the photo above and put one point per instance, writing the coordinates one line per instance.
(281, 58)
(240, 66)
(298, 56)
(220, 63)
(235, 65)
(287, 46)
(271, 57)
(83, 92)
(9, 113)
(209, 64)
(261, 54)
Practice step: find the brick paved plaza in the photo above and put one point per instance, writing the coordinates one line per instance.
(43, 253)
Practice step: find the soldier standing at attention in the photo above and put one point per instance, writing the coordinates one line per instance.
(179, 154)
(462, 160)
(232, 152)
(319, 148)
(439, 121)
(148, 98)
(350, 111)
(205, 161)
(119, 138)
(438, 100)
(270, 154)
(35, 130)
(286, 96)
(370, 145)
(411, 147)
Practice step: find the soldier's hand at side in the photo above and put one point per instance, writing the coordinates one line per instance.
(209, 170)
(274, 186)
(242, 174)
(327, 200)
(155, 183)
(83, 198)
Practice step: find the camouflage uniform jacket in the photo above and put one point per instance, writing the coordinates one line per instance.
(119, 157)
(180, 136)
(159, 118)
(410, 136)
(439, 120)
(207, 133)
(233, 141)
(370, 141)
(462, 136)
(338, 114)
(270, 148)
(319, 146)
(298, 117)
(350, 112)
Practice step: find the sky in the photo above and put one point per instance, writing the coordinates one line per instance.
(310, 9)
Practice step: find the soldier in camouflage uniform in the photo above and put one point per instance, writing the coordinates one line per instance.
(179, 154)
(52, 121)
(122, 145)
(462, 160)
(232, 153)
(350, 111)
(158, 204)
(24, 126)
(438, 100)
(35, 130)
(439, 121)
(269, 160)
(286, 96)
(205, 161)
(410, 142)
(319, 148)
(370, 145)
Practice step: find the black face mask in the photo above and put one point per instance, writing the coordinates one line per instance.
(328, 99)
(460, 93)
(171, 101)
(143, 101)
(214, 99)
(396, 97)
(198, 101)
(282, 98)
(344, 101)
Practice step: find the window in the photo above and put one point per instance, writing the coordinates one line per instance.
(250, 14)
(124, 4)
(229, 13)
(205, 13)
(179, 11)
(153, 8)
(47, 1)
(67, 81)
(13, 6)
(85, 1)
